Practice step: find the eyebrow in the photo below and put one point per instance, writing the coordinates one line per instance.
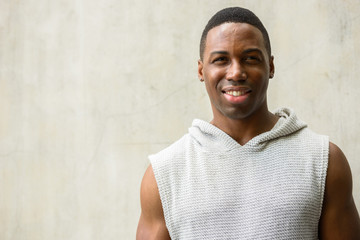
(245, 51)
(219, 52)
(253, 50)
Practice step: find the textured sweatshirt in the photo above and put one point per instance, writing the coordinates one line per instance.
(272, 187)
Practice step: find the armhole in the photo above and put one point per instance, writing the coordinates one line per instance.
(324, 167)
(164, 196)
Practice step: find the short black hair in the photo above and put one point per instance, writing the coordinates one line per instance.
(235, 15)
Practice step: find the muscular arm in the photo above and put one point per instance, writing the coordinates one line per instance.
(339, 218)
(152, 223)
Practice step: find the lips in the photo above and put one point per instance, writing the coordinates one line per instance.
(236, 91)
(236, 95)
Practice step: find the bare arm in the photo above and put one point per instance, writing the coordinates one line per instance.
(152, 223)
(339, 218)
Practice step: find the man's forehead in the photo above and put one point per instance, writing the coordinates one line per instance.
(234, 32)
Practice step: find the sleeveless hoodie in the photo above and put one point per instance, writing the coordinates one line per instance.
(272, 187)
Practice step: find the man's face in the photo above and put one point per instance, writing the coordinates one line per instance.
(236, 69)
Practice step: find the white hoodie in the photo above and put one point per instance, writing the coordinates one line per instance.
(272, 187)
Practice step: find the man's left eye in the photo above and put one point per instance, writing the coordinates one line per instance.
(252, 58)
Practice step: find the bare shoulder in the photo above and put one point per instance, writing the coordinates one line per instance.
(339, 174)
(339, 218)
(152, 223)
(149, 193)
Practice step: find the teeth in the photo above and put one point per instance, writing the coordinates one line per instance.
(236, 93)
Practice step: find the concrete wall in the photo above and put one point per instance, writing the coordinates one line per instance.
(89, 88)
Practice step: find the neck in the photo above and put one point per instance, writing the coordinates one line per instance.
(244, 129)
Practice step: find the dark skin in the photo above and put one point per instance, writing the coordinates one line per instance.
(152, 222)
(236, 69)
(235, 58)
(339, 217)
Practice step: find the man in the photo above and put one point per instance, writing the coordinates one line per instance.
(249, 173)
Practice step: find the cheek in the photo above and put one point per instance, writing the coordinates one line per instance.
(213, 73)
(263, 83)
(209, 88)
(212, 91)
(259, 75)
(213, 77)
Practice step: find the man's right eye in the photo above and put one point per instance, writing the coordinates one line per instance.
(219, 60)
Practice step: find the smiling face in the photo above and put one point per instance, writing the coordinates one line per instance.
(236, 69)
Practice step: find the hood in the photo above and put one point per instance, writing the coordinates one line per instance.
(209, 136)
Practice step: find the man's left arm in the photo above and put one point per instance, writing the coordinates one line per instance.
(339, 217)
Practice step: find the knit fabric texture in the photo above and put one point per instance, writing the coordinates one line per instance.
(272, 187)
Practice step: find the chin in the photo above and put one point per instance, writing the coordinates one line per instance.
(239, 112)
(236, 114)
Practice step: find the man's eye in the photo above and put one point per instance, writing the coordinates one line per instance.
(219, 59)
(252, 59)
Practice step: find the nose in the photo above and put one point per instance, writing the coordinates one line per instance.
(236, 72)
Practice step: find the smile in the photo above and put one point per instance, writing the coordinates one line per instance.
(236, 93)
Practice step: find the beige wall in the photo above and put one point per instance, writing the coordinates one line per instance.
(89, 88)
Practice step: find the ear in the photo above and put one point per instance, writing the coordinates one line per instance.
(200, 70)
(272, 67)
